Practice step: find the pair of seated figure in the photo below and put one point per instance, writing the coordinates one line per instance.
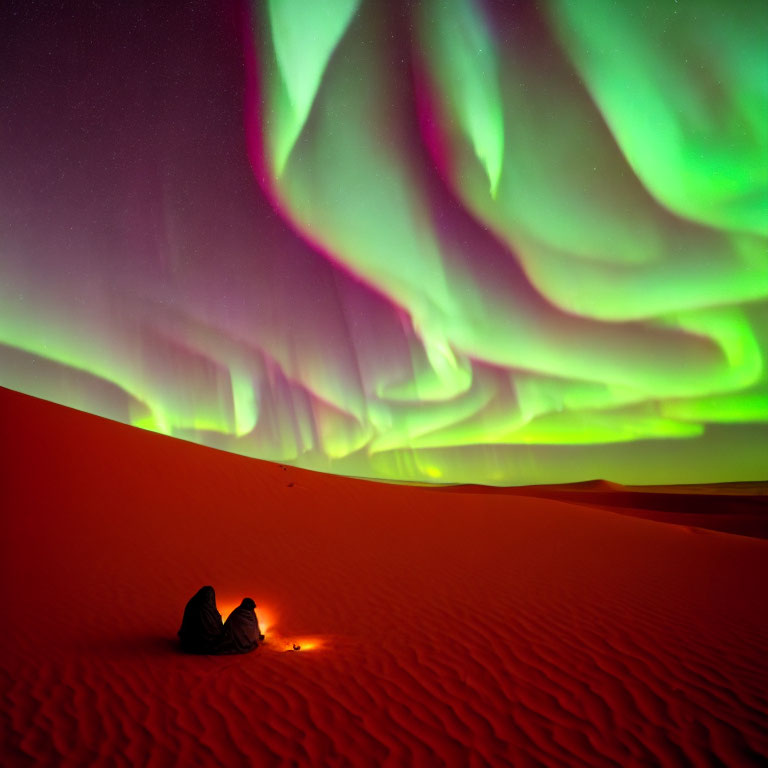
(202, 630)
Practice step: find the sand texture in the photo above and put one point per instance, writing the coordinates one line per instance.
(445, 626)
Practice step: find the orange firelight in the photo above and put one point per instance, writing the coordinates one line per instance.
(304, 644)
(264, 614)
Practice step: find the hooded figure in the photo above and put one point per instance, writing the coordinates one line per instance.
(201, 628)
(241, 630)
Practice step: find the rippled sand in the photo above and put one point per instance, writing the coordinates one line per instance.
(446, 626)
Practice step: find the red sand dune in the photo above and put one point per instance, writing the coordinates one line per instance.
(451, 626)
(729, 507)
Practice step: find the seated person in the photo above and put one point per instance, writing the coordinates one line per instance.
(201, 628)
(241, 630)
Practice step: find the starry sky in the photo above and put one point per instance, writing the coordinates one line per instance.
(439, 240)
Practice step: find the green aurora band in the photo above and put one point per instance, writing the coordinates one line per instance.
(539, 240)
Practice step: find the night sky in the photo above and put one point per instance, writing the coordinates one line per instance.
(449, 240)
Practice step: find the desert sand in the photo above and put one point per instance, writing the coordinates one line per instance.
(587, 625)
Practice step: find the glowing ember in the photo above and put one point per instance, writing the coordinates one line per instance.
(304, 644)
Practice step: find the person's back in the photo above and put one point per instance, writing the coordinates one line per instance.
(201, 628)
(241, 629)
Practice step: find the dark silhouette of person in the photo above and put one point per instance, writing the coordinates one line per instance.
(201, 628)
(241, 629)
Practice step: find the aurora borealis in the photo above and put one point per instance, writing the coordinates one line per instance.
(453, 240)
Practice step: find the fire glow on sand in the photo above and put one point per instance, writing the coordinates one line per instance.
(268, 624)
